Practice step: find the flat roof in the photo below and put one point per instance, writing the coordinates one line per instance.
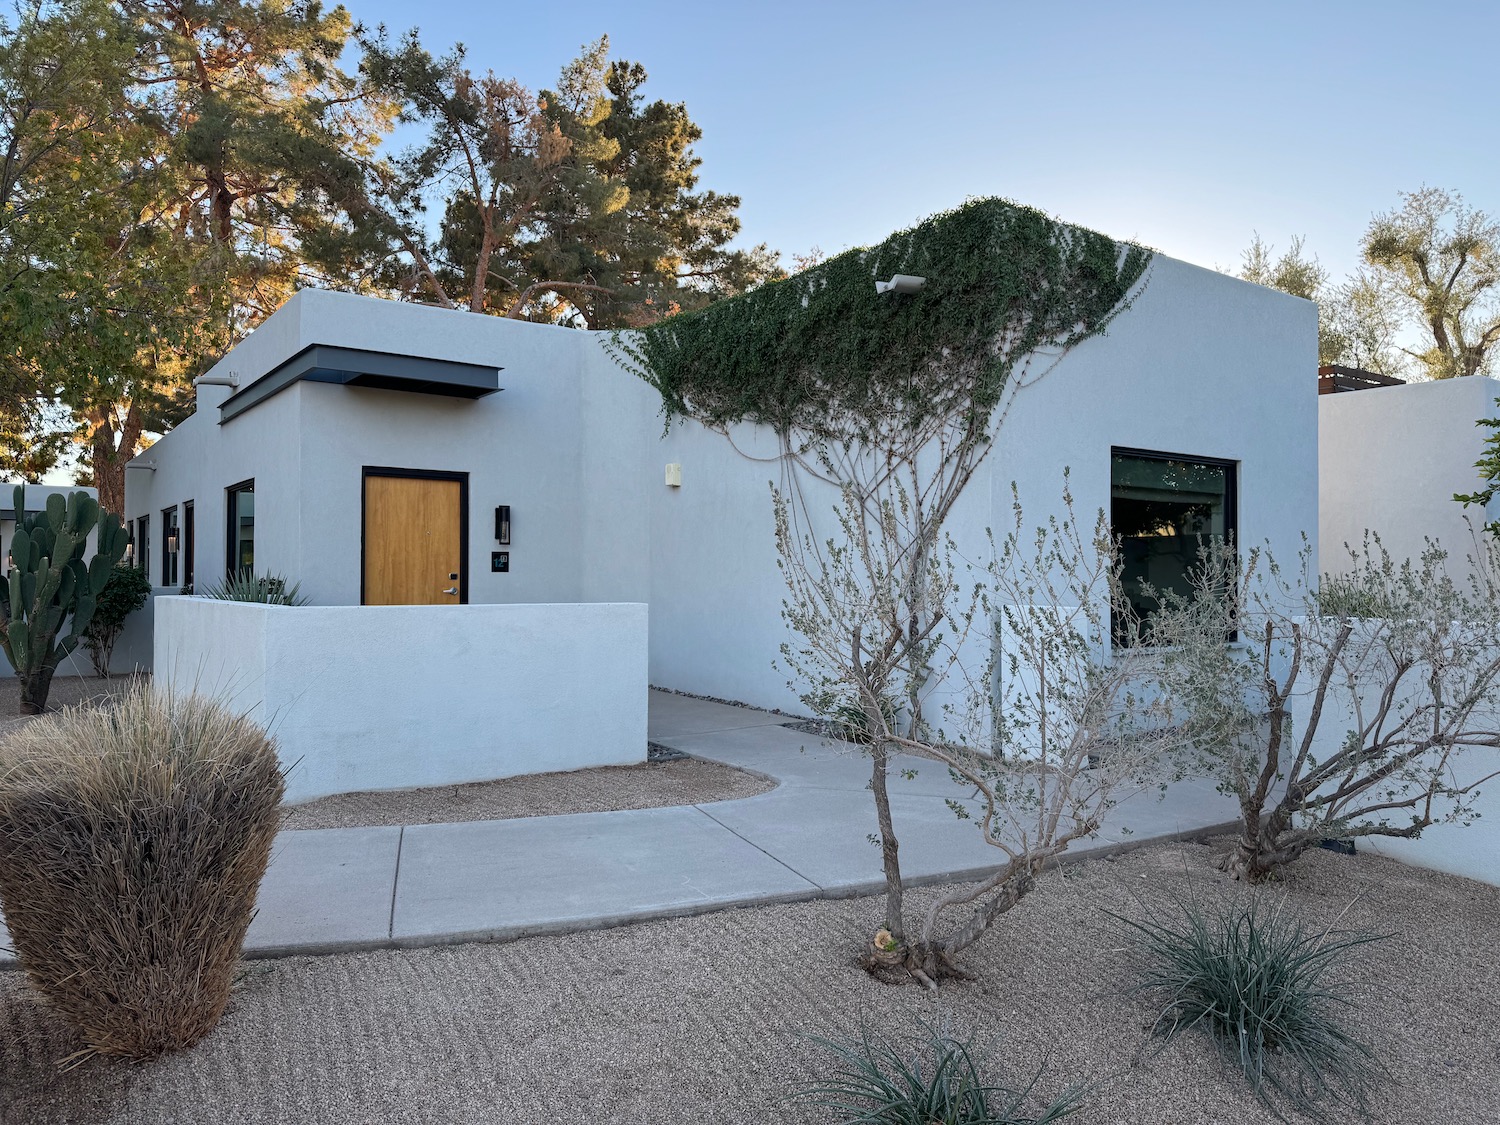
(356, 367)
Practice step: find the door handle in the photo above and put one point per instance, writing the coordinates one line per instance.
(451, 590)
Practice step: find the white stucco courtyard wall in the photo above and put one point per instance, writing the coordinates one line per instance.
(392, 697)
(1390, 460)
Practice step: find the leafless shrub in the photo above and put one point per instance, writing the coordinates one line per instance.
(1050, 713)
(133, 839)
(1348, 706)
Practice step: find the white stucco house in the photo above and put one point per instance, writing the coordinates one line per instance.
(335, 395)
(387, 453)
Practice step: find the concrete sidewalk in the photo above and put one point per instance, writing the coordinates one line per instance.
(367, 888)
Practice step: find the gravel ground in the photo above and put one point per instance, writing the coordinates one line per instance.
(655, 784)
(65, 692)
(704, 1019)
(651, 785)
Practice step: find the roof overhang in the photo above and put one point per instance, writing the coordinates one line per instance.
(355, 367)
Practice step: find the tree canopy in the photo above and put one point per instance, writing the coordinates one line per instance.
(1357, 321)
(577, 205)
(173, 170)
(1442, 259)
(1425, 301)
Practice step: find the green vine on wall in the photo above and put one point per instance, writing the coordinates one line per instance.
(824, 355)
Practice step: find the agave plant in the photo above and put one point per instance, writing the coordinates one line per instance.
(247, 586)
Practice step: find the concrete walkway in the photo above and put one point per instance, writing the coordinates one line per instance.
(427, 884)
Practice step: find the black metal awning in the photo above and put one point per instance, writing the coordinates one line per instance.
(355, 367)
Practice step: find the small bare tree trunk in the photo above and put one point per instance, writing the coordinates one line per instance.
(1017, 882)
(101, 648)
(889, 846)
(1267, 840)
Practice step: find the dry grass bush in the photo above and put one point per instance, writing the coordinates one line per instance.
(133, 839)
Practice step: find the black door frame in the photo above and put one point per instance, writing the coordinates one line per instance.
(369, 471)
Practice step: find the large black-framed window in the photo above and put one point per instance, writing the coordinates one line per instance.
(1165, 508)
(240, 551)
(171, 545)
(187, 544)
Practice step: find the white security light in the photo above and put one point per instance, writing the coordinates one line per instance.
(901, 283)
(232, 379)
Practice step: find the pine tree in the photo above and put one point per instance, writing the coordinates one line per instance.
(578, 205)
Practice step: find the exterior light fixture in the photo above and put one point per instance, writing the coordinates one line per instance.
(129, 554)
(502, 525)
(172, 543)
(901, 283)
(674, 475)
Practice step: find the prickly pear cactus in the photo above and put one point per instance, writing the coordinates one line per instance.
(49, 585)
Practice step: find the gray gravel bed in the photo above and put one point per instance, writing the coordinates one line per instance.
(705, 1019)
(66, 691)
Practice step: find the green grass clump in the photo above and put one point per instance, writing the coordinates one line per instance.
(925, 1079)
(1258, 981)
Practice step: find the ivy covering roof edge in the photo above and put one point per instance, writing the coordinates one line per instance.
(822, 353)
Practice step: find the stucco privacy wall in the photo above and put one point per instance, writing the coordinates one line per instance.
(1390, 460)
(389, 697)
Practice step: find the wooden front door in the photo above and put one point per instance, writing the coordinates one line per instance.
(415, 538)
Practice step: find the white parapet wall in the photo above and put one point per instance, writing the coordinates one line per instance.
(1367, 483)
(394, 697)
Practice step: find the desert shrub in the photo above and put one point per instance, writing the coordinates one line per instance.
(246, 586)
(125, 591)
(1339, 595)
(133, 839)
(1329, 723)
(929, 1078)
(1257, 980)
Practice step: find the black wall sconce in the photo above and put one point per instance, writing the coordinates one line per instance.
(502, 525)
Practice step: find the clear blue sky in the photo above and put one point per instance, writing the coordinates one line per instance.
(1185, 126)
